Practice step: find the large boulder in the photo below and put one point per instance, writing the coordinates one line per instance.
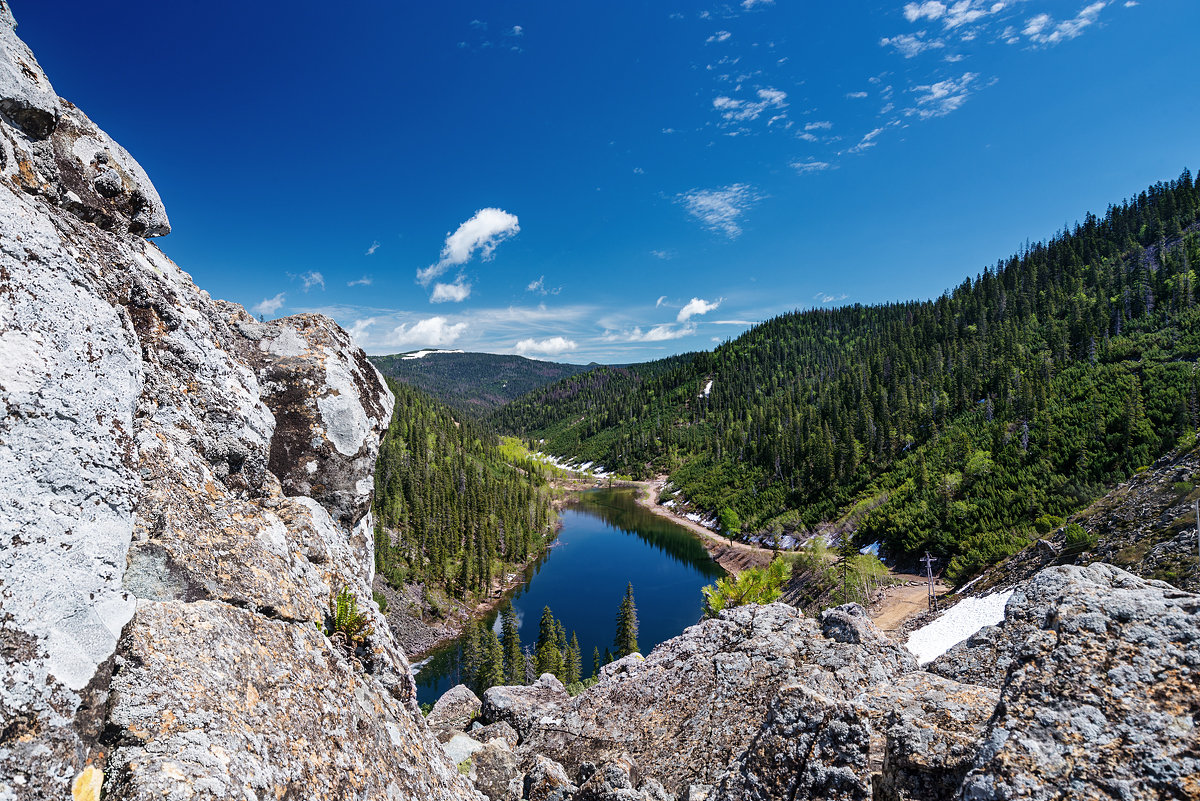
(1102, 698)
(698, 702)
(455, 710)
(523, 707)
(493, 768)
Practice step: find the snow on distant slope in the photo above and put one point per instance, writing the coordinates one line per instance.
(421, 354)
(957, 624)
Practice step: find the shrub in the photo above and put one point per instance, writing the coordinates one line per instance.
(1047, 523)
(758, 585)
(380, 599)
(1080, 539)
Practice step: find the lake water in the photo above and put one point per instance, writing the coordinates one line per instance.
(606, 541)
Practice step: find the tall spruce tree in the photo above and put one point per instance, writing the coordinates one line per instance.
(627, 625)
(510, 640)
(596, 662)
(491, 660)
(468, 663)
(573, 663)
(547, 656)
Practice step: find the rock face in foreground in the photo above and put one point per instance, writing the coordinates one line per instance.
(1097, 698)
(181, 489)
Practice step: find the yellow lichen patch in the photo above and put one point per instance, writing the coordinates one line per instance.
(251, 696)
(86, 786)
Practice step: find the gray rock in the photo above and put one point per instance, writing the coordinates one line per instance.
(522, 707)
(26, 96)
(696, 704)
(497, 731)
(494, 767)
(455, 710)
(461, 747)
(547, 779)
(1101, 698)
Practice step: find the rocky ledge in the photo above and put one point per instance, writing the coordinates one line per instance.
(182, 488)
(1097, 698)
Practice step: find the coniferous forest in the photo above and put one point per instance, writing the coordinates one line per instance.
(963, 425)
(451, 510)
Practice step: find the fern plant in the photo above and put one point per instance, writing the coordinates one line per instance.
(345, 623)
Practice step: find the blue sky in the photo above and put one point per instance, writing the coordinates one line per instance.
(619, 181)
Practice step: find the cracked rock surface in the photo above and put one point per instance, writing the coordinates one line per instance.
(181, 490)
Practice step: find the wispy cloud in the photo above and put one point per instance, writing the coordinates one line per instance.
(659, 333)
(804, 167)
(911, 45)
(312, 278)
(551, 346)
(696, 307)
(481, 234)
(1042, 30)
(749, 4)
(868, 141)
(941, 98)
(826, 298)
(358, 331)
(374, 247)
(539, 287)
(720, 210)
(366, 280)
(856, 95)
(661, 300)
(734, 109)
(457, 292)
(665, 255)
(719, 36)
(268, 306)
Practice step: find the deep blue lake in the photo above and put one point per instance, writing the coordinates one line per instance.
(606, 541)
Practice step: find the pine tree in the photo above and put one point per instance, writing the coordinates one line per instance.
(468, 664)
(547, 655)
(627, 625)
(491, 662)
(510, 638)
(573, 664)
(595, 661)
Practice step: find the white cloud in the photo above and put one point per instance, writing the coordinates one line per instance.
(929, 10)
(739, 110)
(661, 300)
(539, 286)
(638, 171)
(1043, 30)
(516, 30)
(482, 233)
(720, 210)
(453, 293)
(868, 141)
(811, 165)
(358, 331)
(911, 45)
(268, 306)
(366, 280)
(312, 278)
(374, 247)
(659, 333)
(551, 346)
(433, 332)
(856, 95)
(748, 4)
(665, 255)
(825, 297)
(734, 322)
(823, 125)
(696, 306)
(719, 36)
(941, 98)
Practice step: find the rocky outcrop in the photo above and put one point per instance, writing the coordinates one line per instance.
(181, 490)
(1101, 698)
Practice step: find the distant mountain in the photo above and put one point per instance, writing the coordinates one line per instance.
(473, 382)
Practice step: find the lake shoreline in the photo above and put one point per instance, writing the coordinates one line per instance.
(734, 558)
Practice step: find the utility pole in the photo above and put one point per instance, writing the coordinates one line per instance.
(928, 561)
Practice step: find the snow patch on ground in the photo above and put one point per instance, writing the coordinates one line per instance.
(872, 549)
(956, 625)
(421, 354)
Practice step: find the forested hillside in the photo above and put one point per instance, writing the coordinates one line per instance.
(953, 424)
(451, 510)
(474, 382)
